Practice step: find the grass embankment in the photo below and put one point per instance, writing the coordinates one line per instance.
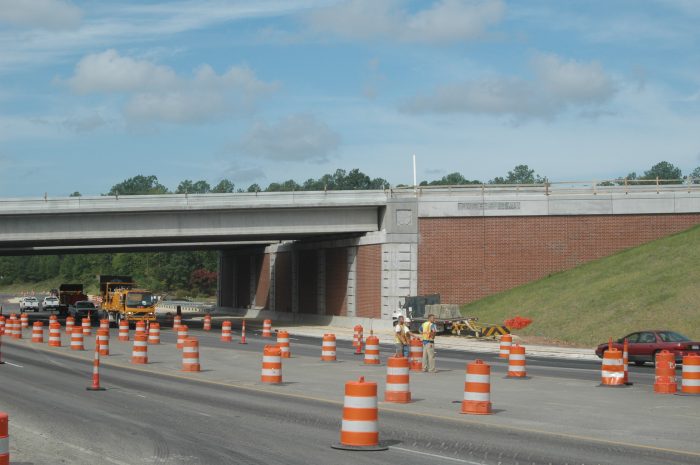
(656, 285)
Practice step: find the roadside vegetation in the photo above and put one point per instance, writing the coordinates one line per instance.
(653, 286)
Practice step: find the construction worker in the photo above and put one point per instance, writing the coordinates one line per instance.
(401, 337)
(428, 330)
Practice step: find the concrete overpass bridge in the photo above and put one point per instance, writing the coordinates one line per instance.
(357, 253)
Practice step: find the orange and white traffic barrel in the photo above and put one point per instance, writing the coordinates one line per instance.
(328, 346)
(181, 336)
(177, 321)
(415, 354)
(612, 369)
(626, 362)
(154, 333)
(477, 389)
(357, 339)
(123, 330)
(38, 332)
(87, 327)
(271, 365)
(139, 353)
(55, 335)
(207, 322)
(24, 320)
(140, 328)
(226, 333)
(690, 377)
(283, 343)
(506, 343)
(372, 351)
(104, 323)
(397, 380)
(102, 340)
(70, 323)
(665, 379)
(76, 339)
(267, 328)
(190, 355)
(360, 427)
(242, 341)
(2, 325)
(4, 440)
(96, 368)
(516, 362)
(15, 329)
(52, 319)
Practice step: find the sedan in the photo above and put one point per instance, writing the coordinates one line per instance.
(82, 309)
(644, 345)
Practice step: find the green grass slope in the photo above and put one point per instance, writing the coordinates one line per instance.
(656, 285)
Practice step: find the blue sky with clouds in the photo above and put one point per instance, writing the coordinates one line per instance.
(93, 92)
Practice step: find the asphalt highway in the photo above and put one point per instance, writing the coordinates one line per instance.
(147, 418)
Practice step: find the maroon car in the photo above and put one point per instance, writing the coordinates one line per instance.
(644, 345)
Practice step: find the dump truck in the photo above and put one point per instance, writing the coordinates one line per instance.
(122, 300)
(68, 295)
(448, 318)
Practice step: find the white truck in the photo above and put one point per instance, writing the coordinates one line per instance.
(28, 303)
(50, 303)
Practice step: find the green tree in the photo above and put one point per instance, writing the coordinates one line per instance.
(452, 179)
(521, 174)
(254, 188)
(695, 175)
(665, 171)
(224, 187)
(189, 187)
(139, 185)
(76, 194)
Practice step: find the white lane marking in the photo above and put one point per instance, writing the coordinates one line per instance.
(203, 414)
(141, 396)
(443, 457)
(73, 446)
(14, 365)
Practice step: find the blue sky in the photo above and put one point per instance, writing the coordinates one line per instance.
(93, 92)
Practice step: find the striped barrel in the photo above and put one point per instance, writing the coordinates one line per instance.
(372, 351)
(102, 341)
(283, 343)
(104, 323)
(357, 337)
(207, 322)
(397, 380)
(612, 370)
(516, 362)
(226, 333)
(506, 343)
(52, 319)
(154, 334)
(477, 389)
(626, 361)
(55, 335)
(123, 330)
(267, 328)
(181, 336)
(271, 365)
(140, 328)
(415, 354)
(190, 355)
(139, 354)
(87, 327)
(38, 332)
(690, 380)
(177, 321)
(4, 440)
(2, 325)
(70, 323)
(15, 329)
(76, 339)
(24, 320)
(360, 426)
(328, 348)
(665, 379)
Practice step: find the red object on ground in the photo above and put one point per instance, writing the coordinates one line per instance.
(519, 322)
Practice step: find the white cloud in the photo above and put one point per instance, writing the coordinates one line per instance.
(294, 138)
(443, 21)
(157, 93)
(110, 72)
(41, 14)
(556, 85)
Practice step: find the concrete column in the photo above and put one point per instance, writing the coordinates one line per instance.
(253, 279)
(273, 283)
(351, 303)
(225, 285)
(398, 275)
(321, 281)
(295, 281)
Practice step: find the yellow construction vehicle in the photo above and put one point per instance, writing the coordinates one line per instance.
(121, 300)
